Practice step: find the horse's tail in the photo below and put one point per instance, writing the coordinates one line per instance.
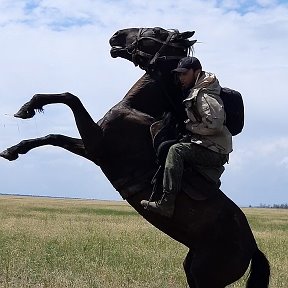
(259, 271)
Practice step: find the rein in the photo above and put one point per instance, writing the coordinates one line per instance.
(137, 52)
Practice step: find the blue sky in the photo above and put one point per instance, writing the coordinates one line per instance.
(56, 46)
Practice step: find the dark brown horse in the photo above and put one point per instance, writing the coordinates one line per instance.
(205, 220)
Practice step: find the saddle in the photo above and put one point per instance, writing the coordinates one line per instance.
(198, 182)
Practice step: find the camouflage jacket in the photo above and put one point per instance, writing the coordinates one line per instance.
(206, 115)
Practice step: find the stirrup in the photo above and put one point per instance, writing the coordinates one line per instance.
(154, 179)
(151, 196)
(154, 183)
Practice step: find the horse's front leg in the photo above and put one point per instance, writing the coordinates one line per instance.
(90, 132)
(73, 145)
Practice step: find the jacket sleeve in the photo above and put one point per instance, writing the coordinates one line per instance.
(212, 114)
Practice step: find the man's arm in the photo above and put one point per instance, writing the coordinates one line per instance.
(212, 114)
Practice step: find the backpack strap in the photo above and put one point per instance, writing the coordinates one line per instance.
(195, 110)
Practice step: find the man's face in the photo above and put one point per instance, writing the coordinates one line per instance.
(187, 79)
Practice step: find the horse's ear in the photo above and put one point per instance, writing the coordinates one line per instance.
(192, 42)
(186, 35)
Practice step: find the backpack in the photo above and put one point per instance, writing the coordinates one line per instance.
(234, 109)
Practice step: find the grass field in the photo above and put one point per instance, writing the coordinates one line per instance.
(75, 243)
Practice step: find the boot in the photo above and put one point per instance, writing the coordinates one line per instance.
(164, 207)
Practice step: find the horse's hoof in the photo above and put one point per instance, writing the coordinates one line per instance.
(25, 113)
(8, 155)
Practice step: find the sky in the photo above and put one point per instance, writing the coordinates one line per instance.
(57, 46)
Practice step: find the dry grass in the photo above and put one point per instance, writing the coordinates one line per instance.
(76, 243)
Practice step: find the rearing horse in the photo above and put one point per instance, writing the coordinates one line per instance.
(213, 227)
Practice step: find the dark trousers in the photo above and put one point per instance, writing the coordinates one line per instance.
(192, 154)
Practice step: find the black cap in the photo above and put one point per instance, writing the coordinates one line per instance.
(187, 63)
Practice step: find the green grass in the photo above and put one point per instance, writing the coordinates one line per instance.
(48, 242)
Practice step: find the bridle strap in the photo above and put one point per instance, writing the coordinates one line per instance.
(135, 50)
(156, 56)
(165, 57)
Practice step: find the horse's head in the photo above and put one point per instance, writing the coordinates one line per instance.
(148, 47)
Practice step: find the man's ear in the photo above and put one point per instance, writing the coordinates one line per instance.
(197, 75)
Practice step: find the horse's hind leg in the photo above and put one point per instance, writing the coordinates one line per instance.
(71, 144)
(187, 264)
(90, 132)
(202, 275)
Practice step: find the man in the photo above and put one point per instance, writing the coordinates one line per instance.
(209, 142)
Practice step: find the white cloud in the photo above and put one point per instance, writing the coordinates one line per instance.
(266, 3)
(284, 162)
(267, 151)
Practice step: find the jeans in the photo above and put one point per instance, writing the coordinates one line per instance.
(191, 154)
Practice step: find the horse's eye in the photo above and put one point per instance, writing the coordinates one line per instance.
(156, 31)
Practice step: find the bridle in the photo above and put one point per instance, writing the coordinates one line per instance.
(134, 50)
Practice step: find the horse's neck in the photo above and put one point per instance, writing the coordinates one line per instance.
(147, 96)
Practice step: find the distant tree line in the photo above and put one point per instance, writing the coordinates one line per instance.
(275, 206)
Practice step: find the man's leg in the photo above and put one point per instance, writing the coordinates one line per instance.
(171, 181)
(179, 154)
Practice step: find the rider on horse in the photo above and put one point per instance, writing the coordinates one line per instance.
(208, 143)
